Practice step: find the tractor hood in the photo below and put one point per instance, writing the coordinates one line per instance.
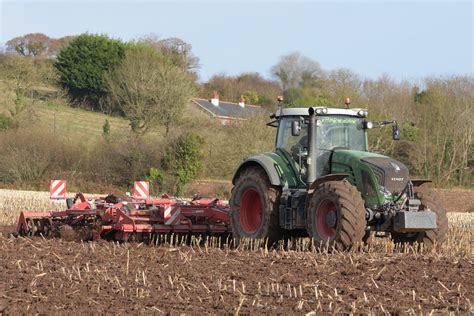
(391, 175)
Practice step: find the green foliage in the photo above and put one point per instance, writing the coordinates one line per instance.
(419, 96)
(106, 129)
(82, 64)
(183, 159)
(312, 101)
(410, 132)
(251, 97)
(252, 86)
(155, 177)
(5, 122)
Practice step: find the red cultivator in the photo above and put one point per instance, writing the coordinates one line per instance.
(118, 218)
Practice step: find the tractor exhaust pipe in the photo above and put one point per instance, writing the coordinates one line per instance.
(311, 147)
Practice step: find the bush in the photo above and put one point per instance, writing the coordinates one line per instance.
(5, 122)
(35, 155)
(121, 159)
(183, 159)
(81, 65)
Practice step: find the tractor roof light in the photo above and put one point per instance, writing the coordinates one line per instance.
(321, 111)
(362, 113)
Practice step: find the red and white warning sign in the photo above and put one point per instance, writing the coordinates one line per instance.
(141, 190)
(171, 214)
(57, 189)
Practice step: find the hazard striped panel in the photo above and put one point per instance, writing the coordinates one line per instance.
(172, 214)
(141, 190)
(57, 189)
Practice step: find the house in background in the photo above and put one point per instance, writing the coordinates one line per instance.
(227, 112)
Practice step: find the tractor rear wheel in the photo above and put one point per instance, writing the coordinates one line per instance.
(254, 207)
(429, 201)
(336, 216)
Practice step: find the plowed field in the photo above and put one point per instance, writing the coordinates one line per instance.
(56, 276)
(44, 276)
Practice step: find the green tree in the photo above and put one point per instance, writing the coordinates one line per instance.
(253, 86)
(149, 89)
(81, 65)
(155, 177)
(183, 159)
(251, 97)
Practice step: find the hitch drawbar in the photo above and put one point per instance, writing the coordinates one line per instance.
(414, 221)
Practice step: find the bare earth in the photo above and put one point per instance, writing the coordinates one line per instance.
(56, 276)
(40, 276)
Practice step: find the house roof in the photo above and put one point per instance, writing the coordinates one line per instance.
(228, 109)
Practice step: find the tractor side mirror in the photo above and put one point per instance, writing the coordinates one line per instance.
(295, 128)
(396, 131)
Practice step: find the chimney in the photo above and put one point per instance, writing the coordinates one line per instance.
(215, 98)
(242, 101)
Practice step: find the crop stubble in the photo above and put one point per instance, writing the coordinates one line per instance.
(40, 276)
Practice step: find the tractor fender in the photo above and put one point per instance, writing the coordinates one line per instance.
(419, 182)
(264, 162)
(329, 177)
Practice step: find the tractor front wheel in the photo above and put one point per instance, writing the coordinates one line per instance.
(336, 216)
(254, 207)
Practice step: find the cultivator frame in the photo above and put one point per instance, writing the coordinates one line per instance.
(124, 219)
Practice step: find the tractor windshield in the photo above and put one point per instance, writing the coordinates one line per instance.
(340, 132)
(331, 132)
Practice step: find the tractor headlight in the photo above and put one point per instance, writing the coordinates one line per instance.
(368, 125)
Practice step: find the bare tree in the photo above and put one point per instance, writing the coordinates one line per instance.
(293, 68)
(37, 45)
(175, 48)
(149, 90)
(33, 44)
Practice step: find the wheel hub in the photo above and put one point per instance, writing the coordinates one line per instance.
(326, 219)
(331, 219)
(251, 211)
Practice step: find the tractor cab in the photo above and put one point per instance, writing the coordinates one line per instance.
(335, 129)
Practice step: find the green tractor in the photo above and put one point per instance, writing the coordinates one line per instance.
(323, 182)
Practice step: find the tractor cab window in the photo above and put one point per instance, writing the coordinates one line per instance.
(286, 141)
(334, 132)
(340, 132)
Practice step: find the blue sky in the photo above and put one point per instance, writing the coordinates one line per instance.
(406, 40)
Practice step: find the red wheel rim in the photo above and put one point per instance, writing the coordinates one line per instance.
(250, 211)
(326, 219)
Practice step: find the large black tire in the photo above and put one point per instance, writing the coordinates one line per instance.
(336, 215)
(254, 207)
(429, 201)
